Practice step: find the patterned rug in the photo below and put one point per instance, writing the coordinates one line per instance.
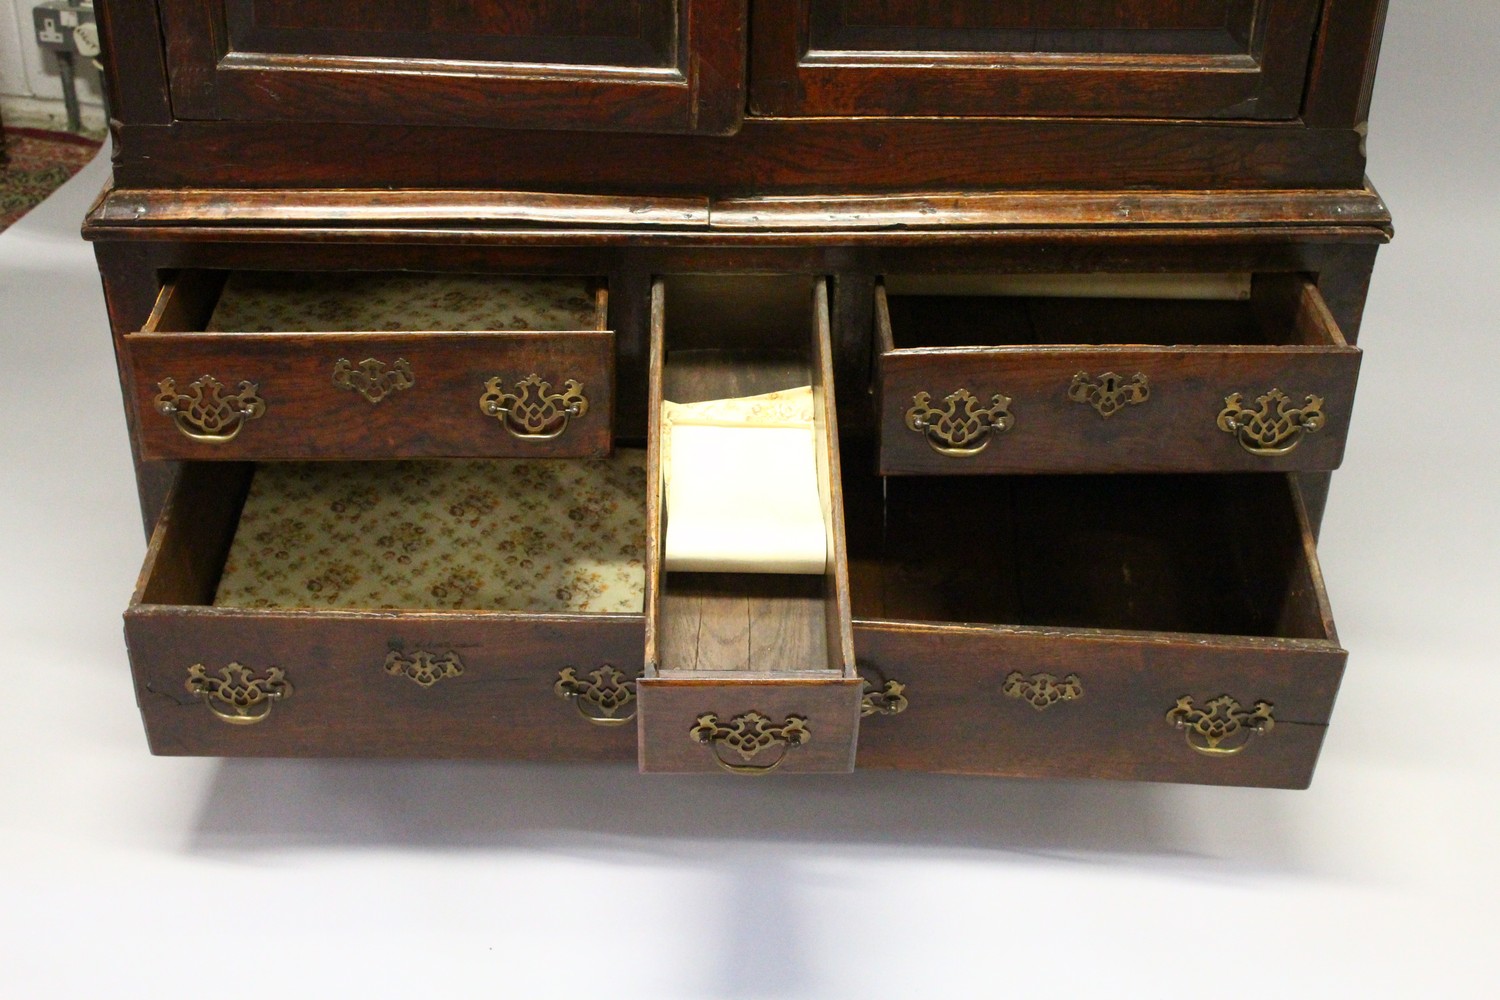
(36, 164)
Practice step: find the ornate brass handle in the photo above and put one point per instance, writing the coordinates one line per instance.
(533, 412)
(887, 699)
(422, 668)
(236, 695)
(1109, 393)
(961, 427)
(1222, 720)
(600, 698)
(205, 412)
(371, 379)
(1267, 432)
(1042, 691)
(747, 736)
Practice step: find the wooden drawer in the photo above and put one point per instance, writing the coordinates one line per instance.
(1110, 373)
(746, 672)
(272, 366)
(1161, 628)
(431, 621)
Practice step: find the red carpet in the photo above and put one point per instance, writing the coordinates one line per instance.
(36, 164)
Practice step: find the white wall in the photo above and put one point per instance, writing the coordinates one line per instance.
(29, 82)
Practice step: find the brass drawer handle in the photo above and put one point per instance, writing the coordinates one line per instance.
(1266, 433)
(1221, 721)
(1109, 393)
(747, 736)
(236, 695)
(372, 379)
(205, 412)
(538, 416)
(961, 428)
(600, 698)
(888, 699)
(1042, 691)
(422, 668)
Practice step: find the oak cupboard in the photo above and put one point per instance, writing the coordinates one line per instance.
(397, 292)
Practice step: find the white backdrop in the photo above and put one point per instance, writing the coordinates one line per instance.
(124, 875)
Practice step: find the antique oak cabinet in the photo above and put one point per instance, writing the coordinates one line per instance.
(398, 292)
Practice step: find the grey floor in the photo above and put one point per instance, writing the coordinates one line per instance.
(127, 875)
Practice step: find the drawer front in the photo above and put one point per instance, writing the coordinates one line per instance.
(362, 395)
(1025, 703)
(748, 727)
(1115, 409)
(306, 684)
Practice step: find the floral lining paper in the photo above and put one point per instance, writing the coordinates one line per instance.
(555, 536)
(360, 302)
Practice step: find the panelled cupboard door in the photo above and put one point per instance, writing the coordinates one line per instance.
(612, 65)
(1115, 58)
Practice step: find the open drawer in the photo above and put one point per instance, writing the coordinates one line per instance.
(1110, 373)
(1160, 628)
(420, 609)
(746, 672)
(269, 365)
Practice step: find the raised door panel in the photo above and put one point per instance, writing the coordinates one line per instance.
(614, 65)
(1115, 58)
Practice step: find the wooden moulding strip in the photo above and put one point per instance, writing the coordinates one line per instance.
(415, 210)
(1026, 209)
(149, 207)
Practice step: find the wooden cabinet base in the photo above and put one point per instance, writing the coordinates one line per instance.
(1101, 579)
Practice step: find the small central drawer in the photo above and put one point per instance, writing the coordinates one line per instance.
(270, 365)
(749, 664)
(1110, 373)
(416, 609)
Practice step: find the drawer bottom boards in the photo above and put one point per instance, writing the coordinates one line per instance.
(1162, 628)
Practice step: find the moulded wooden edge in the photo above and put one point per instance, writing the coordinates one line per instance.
(165, 207)
(936, 210)
(136, 208)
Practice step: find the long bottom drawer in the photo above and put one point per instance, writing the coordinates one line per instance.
(1160, 628)
(413, 609)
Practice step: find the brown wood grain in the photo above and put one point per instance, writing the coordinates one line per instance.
(774, 334)
(903, 138)
(132, 261)
(1121, 581)
(809, 59)
(938, 212)
(1190, 370)
(677, 66)
(344, 703)
(960, 721)
(307, 416)
(671, 705)
(803, 156)
(1342, 76)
